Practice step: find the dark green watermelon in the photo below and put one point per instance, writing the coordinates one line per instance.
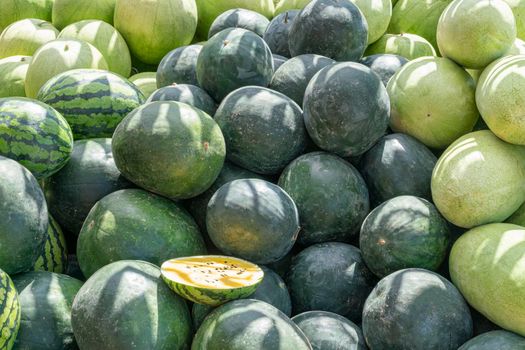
(126, 305)
(278, 61)
(35, 135)
(329, 331)
(178, 66)
(500, 340)
(384, 65)
(293, 76)
(332, 28)
(330, 277)
(136, 225)
(23, 217)
(276, 34)
(93, 101)
(263, 129)
(330, 194)
(252, 219)
(189, 94)
(232, 59)
(169, 148)
(53, 257)
(89, 175)
(239, 18)
(397, 165)
(249, 324)
(45, 300)
(416, 309)
(403, 232)
(346, 108)
(9, 311)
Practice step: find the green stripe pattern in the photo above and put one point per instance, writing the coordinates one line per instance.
(54, 254)
(35, 135)
(93, 101)
(9, 312)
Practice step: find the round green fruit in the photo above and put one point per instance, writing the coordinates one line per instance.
(185, 93)
(9, 311)
(66, 12)
(277, 32)
(24, 37)
(384, 64)
(13, 72)
(53, 257)
(500, 339)
(179, 66)
(239, 18)
(145, 81)
(15, 10)
(518, 9)
(377, 14)
(407, 45)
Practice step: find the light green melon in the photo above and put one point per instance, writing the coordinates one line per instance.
(410, 46)
(146, 82)
(474, 33)
(24, 37)
(58, 56)
(518, 8)
(15, 10)
(66, 12)
(13, 72)
(377, 14)
(479, 179)
(106, 39)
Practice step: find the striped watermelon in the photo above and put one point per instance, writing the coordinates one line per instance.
(92, 101)
(35, 135)
(9, 312)
(54, 254)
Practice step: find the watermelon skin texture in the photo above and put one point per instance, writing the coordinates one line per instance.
(54, 255)
(14, 10)
(230, 327)
(239, 18)
(12, 75)
(45, 300)
(179, 66)
(385, 65)
(276, 34)
(9, 312)
(142, 226)
(165, 321)
(66, 12)
(24, 217)
(93, 102)
(35, 135)
(501, 340)
(189, 94)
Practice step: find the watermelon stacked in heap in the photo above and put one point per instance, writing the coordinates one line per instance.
(262, 174)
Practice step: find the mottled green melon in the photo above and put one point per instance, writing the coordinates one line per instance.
(179, 66)
(126, 305)
(9, 311)
(501, 340)
(146, 82)
(276, 34)
(15, 10)
(66, 12)
(106, 39)
(45, 301)
(408, 45)
(462, 31)
(479, 180)
(189, 94)
(239, 18)
(24, 37)
(53, 257)
(13, 72)
(153, 28)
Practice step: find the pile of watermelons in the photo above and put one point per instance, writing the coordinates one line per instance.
(259, 174)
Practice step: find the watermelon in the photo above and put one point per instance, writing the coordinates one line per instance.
(45, 301)
(35, 135)
(479, 180)
(89, 175)
(330, 194)
(179, 66)
(9, 311)
(501, 340)
(211, 279)
(106, 39)
(234, 58)
(377, 14)
(263, 129)
(15, 10)
(189, 94)
(249, 324)
(487, 265)
(141, 226)
(396, 165)
(462, 28)
(58, 56)
(93, 101)
(293, 76)
(145, 81)
(24, 218)
(66, 12)
(13, 72)
(53, 257)
(252, 219)
(169, 148)
(346, 108)
(129, 288)
(407, 45)
(24, 37)
(428, 313)
(385, 65)
(342, 21)
(239, 18)
(417, 17)
(518, 9)
(339, 284)
(278, 61)
(277, 32)
(152, 29)
(500, 99)
(329, 331)
(209, 10)
(417, 109)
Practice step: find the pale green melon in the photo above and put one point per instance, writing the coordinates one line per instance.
(145, 81)
(24, 37)
(66, 12)
(377, 14)
(410, 46)
(15, 10)
(13, 72)
(518, 8)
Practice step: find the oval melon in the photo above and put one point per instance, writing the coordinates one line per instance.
(53, 257)
(385, 65)
(15, 10)
(13, 71)
(146, 82)
(10, 311)
(377, 14)
(66, 12)
(179, 66)
(408, 45)
(189, 94)
(277, 32)
(239, 18)
(24, 37)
